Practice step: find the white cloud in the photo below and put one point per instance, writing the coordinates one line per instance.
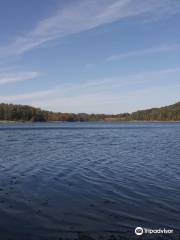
(144, 52)
(97, 95)
(83, 15)
(7, 77)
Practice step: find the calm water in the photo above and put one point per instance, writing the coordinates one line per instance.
(57, 178)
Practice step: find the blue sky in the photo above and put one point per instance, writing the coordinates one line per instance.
(101, 56)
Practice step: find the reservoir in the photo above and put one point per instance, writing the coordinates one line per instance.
(88, 178)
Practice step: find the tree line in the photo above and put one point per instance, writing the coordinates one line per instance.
(12, 112)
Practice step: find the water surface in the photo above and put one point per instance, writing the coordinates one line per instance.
(60, 178)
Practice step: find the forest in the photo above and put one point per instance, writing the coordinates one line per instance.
(25, 113)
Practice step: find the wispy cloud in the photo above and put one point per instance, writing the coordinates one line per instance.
(83, 15)
(7, 77)
(96, 94)
(116, 103)
(145, 52)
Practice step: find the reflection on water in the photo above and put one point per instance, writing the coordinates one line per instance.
(60, 178)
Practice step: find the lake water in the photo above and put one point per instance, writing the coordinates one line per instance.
(83, 178)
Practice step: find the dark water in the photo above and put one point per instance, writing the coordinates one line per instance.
(58, 178)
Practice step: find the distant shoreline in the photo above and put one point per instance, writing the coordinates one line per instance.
(10, 113)
(104, 121)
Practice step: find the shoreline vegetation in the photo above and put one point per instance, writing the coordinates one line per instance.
(11, 113)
